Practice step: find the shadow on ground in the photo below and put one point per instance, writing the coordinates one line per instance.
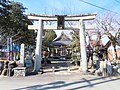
(77, 84)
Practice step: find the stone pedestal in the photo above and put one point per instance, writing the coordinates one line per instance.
(20, 71)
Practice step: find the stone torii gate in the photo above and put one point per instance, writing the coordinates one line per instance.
(40, 26)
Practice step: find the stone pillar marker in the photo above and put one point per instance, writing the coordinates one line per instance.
(22, 54)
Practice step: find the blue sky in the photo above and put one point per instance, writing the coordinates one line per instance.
(69, 6)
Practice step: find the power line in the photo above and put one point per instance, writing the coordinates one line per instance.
(97, 6)
(117, 1)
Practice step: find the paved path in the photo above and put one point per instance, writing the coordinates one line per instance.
(60, 81)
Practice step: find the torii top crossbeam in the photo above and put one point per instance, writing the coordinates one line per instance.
(46, 17)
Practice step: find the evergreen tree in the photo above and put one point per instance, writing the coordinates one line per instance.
(14, 22)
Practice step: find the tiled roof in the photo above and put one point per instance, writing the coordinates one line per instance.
(62, 40)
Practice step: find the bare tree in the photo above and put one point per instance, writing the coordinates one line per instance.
(109, 25)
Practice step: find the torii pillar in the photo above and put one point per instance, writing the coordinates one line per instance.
(83, 46)
(38, 51)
